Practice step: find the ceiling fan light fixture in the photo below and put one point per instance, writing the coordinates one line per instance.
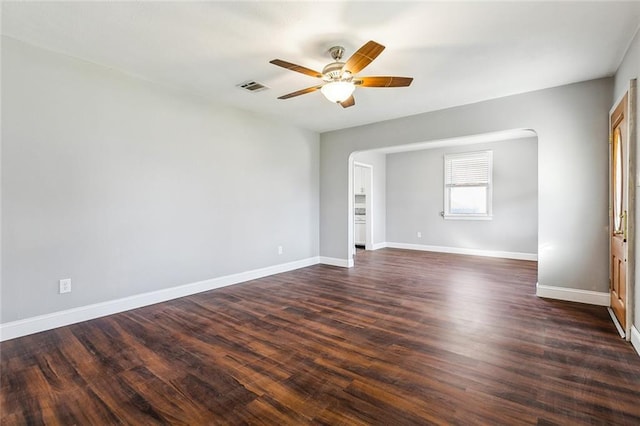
(338, 91)
(338, 77)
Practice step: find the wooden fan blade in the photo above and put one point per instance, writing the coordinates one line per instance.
(350, 101)
(363, 57)
(296, 68)
(383, 81)
(300, 92)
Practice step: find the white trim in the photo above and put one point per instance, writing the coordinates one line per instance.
(333, 261)
(466, 217)
(615, 104)
(632, 130)
(13, 329)
(600, 298)
(635, 338)
(378, 246)
(467, 251)
(616, 323)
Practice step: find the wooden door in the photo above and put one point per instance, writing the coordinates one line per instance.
(619, 200)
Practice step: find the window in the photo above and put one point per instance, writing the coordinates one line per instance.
(467, 185)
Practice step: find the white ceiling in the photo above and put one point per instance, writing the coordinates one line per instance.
(458, 53)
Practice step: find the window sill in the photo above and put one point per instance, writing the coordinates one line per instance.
(466, 217)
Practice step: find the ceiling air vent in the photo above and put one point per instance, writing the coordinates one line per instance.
(252, 86)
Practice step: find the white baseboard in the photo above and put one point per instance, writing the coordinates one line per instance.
(334, 261)
(635, 338)
(472, 252)
(378, 246)
(573, 295)
(13, 329)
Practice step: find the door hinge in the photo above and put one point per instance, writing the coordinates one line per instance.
(610, 139)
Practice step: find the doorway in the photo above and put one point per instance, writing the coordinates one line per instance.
(362, 217)
(398, 225)
(622, 214)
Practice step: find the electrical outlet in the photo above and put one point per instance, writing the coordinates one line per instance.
(65, 286)
(419, 234)
(279, 249)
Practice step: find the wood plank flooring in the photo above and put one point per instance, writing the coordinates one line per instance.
(404, 338)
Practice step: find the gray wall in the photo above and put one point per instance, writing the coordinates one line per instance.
(379, 162)
(126, 187)
(629, 69)
(571, 124)
(415, 199)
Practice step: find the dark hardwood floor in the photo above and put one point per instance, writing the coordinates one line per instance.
(403, 338)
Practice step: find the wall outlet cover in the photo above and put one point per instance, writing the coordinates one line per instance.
(65, 285)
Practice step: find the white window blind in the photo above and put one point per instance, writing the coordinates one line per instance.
(467, 185)
(468, 169)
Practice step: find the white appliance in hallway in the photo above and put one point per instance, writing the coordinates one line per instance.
(360, 193)
(360, 226)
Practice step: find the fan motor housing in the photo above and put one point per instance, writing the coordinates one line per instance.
(335, 71)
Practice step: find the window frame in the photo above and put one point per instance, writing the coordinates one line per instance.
(446, 213)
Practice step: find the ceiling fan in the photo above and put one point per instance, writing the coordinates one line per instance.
(340, 78)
